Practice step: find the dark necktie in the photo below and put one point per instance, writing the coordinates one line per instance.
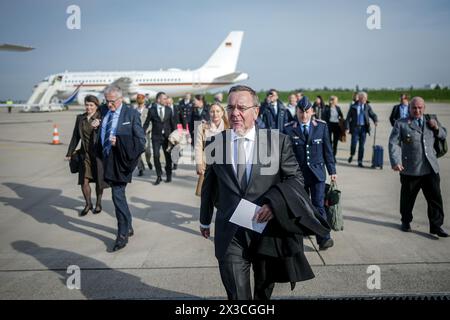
(108, 129)
(419, 123)
(305, 131)
(241, 164)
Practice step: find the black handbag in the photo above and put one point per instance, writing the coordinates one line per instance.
(75, 162)
(440, 146)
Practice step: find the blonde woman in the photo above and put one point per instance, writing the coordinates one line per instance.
(217, 123)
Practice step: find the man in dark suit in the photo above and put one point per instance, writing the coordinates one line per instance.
(176, 120)
(160, 115)
(236, 171)
(412, 154)
(175, 110)
(200, 112)
(274, 114)
(122, 143)
(312, 147)
(358, 124)
(401, 110)
(185, 108)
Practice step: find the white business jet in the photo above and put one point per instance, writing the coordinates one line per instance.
(65, 88)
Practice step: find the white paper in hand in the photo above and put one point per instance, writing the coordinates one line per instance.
(244, 216)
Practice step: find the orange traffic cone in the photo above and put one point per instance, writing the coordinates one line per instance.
(55, 135)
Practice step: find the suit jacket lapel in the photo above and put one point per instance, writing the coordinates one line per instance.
(121, 116)
(166, 113)
(311, 130)
(299, 130)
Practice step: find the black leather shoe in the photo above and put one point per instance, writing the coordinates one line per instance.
(158, 181)
(406, 227)
(131, 232)
(327, 244)
(350, 159)
(97, 209)
(121, 242)
(439, 232)
(150, 166)
(85, 211)
(360, 165)
(175, 166)
(141, 173)
(169, 179)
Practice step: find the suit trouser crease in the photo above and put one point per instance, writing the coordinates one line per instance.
(122, 210)
(358, 137)
(316, 190)
(157, 144)
(234, 270)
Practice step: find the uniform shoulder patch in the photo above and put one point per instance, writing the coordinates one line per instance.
(288, 124)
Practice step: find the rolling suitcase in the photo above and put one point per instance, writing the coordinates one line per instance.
(377, 156)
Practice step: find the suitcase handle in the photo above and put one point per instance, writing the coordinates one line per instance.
(375, 136)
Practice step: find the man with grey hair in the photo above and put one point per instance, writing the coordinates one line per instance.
(122, 141)
(218, 98)
(358, 124)
(412, 154)
(236, 171)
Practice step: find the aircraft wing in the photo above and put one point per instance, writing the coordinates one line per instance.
(232, 77)
(124, 83)
(14, 47)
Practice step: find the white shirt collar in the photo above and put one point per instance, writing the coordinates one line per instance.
(250, 135)
(307, 124)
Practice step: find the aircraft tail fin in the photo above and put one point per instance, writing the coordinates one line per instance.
(224, 59)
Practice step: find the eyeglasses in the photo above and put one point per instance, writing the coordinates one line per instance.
(112, 101)
(241, 109)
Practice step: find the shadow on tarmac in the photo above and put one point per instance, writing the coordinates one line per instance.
(44, 209)
(101, 282)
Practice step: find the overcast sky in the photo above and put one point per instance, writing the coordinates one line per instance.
(287, 44)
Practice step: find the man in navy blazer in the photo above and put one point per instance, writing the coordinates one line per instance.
(122, 141)
(274, 114)
(358, 124)
(312, 148)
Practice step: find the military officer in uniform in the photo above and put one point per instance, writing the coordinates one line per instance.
(313, 150)
(185, 109)
(412, 154)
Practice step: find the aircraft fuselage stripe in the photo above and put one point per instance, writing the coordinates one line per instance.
(163, 84)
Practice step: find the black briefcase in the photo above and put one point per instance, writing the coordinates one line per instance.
(75, 162)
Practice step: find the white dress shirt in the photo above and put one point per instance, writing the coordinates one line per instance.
(291, 109)
(249, 145)
(275, 107)
(160, 110)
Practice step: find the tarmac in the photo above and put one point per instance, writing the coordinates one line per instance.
(41, 233)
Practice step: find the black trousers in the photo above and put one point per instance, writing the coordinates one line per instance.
(157, 144)
(430, 185)
(123, 213)
(335, 134)
(235, 270)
